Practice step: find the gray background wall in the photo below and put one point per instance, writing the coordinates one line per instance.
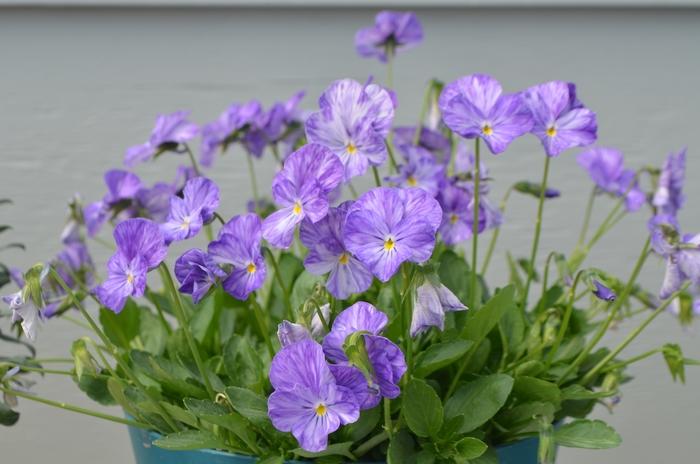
(78, 86)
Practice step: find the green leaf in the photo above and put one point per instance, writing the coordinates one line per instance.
(88, 376)
(189, 440)
(244, 364)
(272, 460)
(422, 409)
(583, 433)
(121, 328)
(440, 355)
(489, 457)
(303, 288)
(673, 355)
(152, 332)
(172, 376)
(205, 321)
(481, 321)
(534, 389)
(248, 404)
(205, 407)
(453, 274)
(365, 424)
(336, 449)
(479, 400)
(523, 418)
(7, 416)
(179, 414)
(401, 449)
(578, 392)
(470, 448)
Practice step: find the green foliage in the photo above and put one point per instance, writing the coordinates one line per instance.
(422, 409)
(479, 400)
(594, 434)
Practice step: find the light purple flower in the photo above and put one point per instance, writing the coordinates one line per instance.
(24, 311)
(307, 401)
(231, 126)
(170, 131)
(457, 220)
(393, 31)
(385, 358)
(122, 187)
(560, 119)
(239, 246)
(292, 332)
(682, 253)
(154, 202)
(474, 106)
(140, 248)
(420, 171)
(197, 272)
(606, 168)
(387, 226)
(669, 196)
(353, 122)
(329, 255)
(432, 140)
(196, 208)
(430, 303)
(301, 188)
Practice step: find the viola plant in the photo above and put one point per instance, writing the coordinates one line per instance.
(332, 325)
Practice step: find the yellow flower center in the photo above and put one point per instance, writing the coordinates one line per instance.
(351, 148)
(487, 129)
(297, 208)
(321, 410)
(551, 131)
(389, 244)
(130, 278)
(185, 224)
(251, 268)
(411, 181)
(453, 218)
(344, 258)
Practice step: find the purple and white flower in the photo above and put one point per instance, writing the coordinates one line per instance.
(196, 208)
(420, 171)
(681, 252)
(353, 122)
(669, 197)
(430, 303)
(606, 168)
(170, 131)
(197, 272)
(393, 31)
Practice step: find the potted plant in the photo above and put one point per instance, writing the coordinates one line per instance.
(338, 325)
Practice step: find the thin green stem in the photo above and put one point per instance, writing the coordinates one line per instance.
(184, 325)
(631, 336)
(218, 217)
(159, 311)
(475, 224)
(632, 360)
(276, 154)
(586, 217)
(41, 370)
(193, 160)
(253, 181)
(545, 278)
(53, 360)
(613, 312)
(495, 234)
(113, 351)
(377, 179)
(387, 417)
(283, 287)
(371, 443)
(73, 408)
(423, 111)
(538, 230)
(263, 324)
(565, 321)
(390, 150)
(353, 192)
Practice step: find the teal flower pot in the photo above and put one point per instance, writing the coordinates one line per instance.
(520, 452)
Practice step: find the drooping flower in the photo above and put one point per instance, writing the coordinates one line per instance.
(560, 120)
(122, 187)
(307, 400)
(292, 332)
(196, 208)
(681, 252)
(301, 188)
(170, 131)
(239, 246)
(475, 106)
(25, 312)
(603, 292)
(430, 303)
(420, 170)
(140, 248)
(384, 357)
(393, 31)
(231, 126)
(353, 122)
(197, 272)
(669, 196)
(606, 168)
(329, 255)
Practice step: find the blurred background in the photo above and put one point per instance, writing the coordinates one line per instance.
(80, 84)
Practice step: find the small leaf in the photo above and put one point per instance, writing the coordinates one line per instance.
(578, 392)
(470, 448)
(534, 389)
(248, 404)
(189, 440)
(401, 449)
(7, 416)
(673, 355)
(479, 400)
(440, 355)
(481, 321)
(583, 433)
(422, 409)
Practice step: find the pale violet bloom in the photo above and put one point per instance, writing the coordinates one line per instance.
(430, 303)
